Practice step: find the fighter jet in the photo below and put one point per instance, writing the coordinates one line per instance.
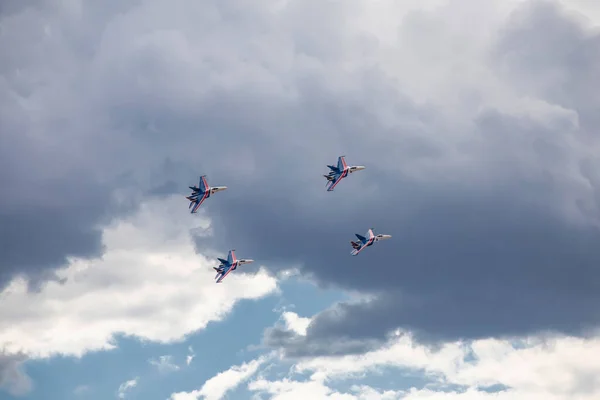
(366, 241)
(229, 265)
(340, 172)
(201, 193)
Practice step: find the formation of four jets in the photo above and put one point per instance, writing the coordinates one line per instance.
(203, 191)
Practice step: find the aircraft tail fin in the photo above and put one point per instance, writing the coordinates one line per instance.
(203, 184)
(355, 245)
(231, 258)
(341, 164)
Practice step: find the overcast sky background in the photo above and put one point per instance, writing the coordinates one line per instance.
(477, 122)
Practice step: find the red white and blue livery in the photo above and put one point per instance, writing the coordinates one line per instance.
(336, 174)
(367, 241)
(229, 265)
(201, 193)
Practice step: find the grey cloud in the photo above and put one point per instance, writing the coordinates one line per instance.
(478, 200)
(461, 270)
(10, 7)
(555, 56)
(45, 214)
(55, 159)
(489, 262)
(299, 346)
(12, 377)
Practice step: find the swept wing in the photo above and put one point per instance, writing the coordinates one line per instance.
(364, 242)
(229, 265)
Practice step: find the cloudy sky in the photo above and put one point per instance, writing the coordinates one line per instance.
(478, 123)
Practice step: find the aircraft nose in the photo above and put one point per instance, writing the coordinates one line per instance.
(248, 260)
(360, 168)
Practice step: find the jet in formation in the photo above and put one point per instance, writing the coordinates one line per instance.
(229, 265)
(201, 193)
(336, 174)
(367, 241)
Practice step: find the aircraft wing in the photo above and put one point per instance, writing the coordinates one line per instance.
(364, 242)
(362, 239)
(333, 183)
(198, 202)
(359, 249)
(224, 272)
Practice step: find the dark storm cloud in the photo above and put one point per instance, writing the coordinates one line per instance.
(49, 208)
(465, 261)
(457, 268)
(55, 159)
(484, 250)
(471, 264)
(297, 345)
(97, 98)
(147, 98)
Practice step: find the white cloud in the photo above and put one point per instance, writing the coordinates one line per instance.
(316, 390)
(81, 390)
(127, 386)
(164, 364)
(400, 352)
(216, 387)
(288, 273)
(585, 8)
(150, 283)
(295, 390)
(191, 355)
(555, 368)
(299, 390)
(295, 323)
